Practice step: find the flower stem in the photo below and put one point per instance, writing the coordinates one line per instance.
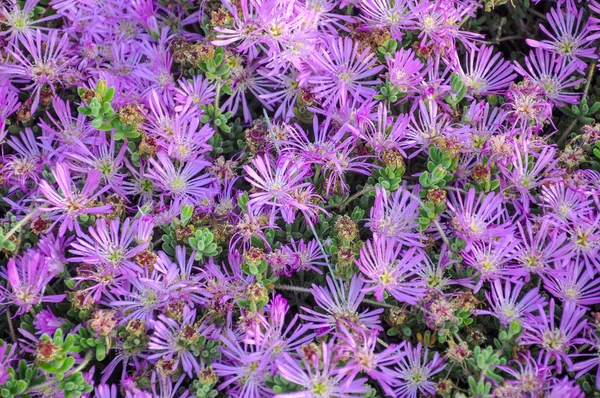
(298, 289)
(345, 203)
(586, 89)
(435, 222)
(20, 224)
(11, 327)
(50, 383)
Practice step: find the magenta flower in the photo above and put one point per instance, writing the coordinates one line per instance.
(28, 278)
(319, 376)
(341, 307)
(394, 216)
(406, 71)
(477, 218)
(413, 375)
(554, 74)
(340, 72)
(66, 205)
(570, 37)
(486, 74)
(506, 305)
(556, 339)
(389, 268)
(183, 182)
(49, 64)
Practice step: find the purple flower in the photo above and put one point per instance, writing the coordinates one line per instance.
(244, 367)
(359, 347)
(275, 182)
(47, 322)
(9, 103)
(281, 335)
(591, 359)
(389, 268)
(396, 16)
(565, 202)
(570, 37)
(556, 339)
(106, 391)
(527, 378)
(476, 218)
(193, 94)
(412, 376)
(309, 255)
(28, 278)
(183, 182)
(102, 158)
(486, 74)
(555, 75)
(524, 175)
(506, 305)
(574, 284)
(319, 376)
(19, 20)
(340, 71)
(341, 306)
(66, 205)
(108, 244)
(22, 170)
(185, 140)
(541, 248)
(48, 67)
(406, 71)
(7, 355)
(245, 79)
(177, 341)
(493, 260)
(394, 216)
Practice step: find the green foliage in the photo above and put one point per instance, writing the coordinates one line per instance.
(387, 49)
(439, 166)
(87, 342)
(202, 242)
(458, 93)
(216, 67)
(104, 117)
(583, 112)
(54, 357)
(390, 93)
(484, 363)
(281, 385)
(389, 177)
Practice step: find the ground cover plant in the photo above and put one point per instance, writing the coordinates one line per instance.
(299, 198)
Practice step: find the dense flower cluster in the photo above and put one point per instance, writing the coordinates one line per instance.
(299, 198)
